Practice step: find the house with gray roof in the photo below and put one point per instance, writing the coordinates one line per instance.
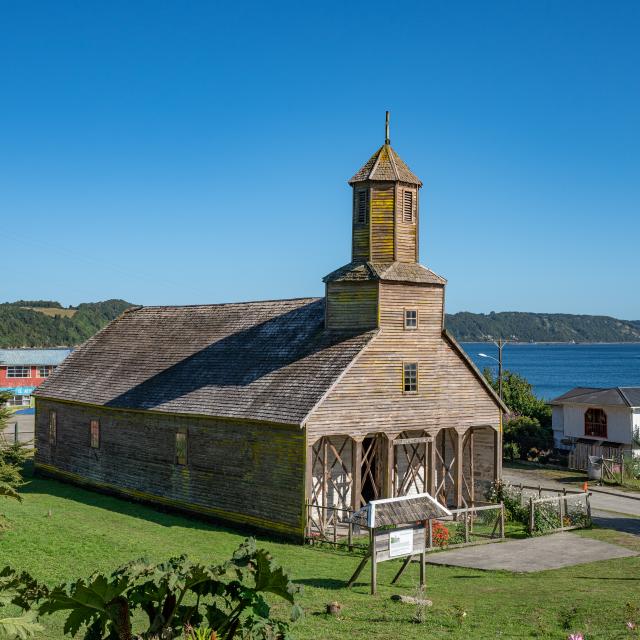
(601, 418)
(285, 415)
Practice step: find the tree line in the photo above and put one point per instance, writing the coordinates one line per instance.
(541, 327)
(24, 327)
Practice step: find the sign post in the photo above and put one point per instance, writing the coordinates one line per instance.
(398, 528)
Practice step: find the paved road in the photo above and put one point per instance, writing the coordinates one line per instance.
(609, 510)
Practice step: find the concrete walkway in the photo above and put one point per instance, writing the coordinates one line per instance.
(532, 554)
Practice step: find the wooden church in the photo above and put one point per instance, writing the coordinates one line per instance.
(250, 412)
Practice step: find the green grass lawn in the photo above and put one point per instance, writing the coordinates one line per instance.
(88, 531)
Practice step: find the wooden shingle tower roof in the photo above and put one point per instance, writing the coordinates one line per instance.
(386, 165)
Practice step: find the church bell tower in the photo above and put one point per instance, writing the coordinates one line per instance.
(368, 291)
(385, 208)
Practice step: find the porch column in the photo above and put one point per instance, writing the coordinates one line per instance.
(497, 453)
(356, 472)
(432, 475)
(459, 468)
(387, 473)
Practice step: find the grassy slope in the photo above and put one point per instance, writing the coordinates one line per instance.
(87, 531)
(53, 311)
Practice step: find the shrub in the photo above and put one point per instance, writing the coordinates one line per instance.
(511, 451)
(227, 600)
(511, 498)
(528, 434)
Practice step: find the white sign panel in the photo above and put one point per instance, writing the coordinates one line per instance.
(401, 543)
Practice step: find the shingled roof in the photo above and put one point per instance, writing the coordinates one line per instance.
(613, 396)
(268, 361)
(386, 271)
(386, 165)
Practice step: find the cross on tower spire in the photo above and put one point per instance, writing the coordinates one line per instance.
(386, 129)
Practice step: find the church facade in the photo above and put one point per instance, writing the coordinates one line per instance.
(266, 413)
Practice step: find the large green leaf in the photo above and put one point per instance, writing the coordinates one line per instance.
(96, 599)
(8, 491)
(19, 628)
(271, 577)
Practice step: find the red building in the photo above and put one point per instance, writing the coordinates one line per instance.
(22, 370)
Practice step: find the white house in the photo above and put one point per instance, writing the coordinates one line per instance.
(609, 418)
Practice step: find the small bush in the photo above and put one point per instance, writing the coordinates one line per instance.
(511, 451)
(528, 434)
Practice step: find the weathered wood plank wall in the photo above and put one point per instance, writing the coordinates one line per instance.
(245, 473)
(382, 222)
(352, 305)
(369, 398)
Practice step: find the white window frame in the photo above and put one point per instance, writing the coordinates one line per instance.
(407, 326)
(47, 368)
(406, 364)
(12, 370)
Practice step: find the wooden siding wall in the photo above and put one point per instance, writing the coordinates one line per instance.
(406, 232)
(246, 473)
(483, 462)
(382, 223)
(361, 231)
(352, 305)
(369, 398)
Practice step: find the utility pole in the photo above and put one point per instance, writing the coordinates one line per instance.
(500, 344)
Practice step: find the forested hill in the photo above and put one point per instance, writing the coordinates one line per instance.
(541, 327)
(45, 323)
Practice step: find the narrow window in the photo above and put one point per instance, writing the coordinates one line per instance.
(44, 371)
(410, 377)
(410, 319)
(95, 434)
(407, 206)
(595, 423)
(53, 427)
(362, 208)
(18, 372)
(181, 447)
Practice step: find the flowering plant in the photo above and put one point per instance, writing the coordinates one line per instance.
(440, 535)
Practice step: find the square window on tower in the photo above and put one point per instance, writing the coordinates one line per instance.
(410, 318)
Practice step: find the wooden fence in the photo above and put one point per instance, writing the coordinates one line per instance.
(579, 457)
(466, 526)
(562, 512)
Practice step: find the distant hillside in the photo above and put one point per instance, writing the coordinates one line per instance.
(44, 323)
(541, 327)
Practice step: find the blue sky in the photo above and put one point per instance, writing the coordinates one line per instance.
(177, 153)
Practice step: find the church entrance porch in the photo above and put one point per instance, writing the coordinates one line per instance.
(345, 472)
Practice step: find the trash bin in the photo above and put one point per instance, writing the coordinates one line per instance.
(594, 468)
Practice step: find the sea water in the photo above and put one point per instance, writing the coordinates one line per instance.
(553, 369)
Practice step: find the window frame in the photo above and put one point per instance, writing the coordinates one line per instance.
(406, 364)
(46, 367)
(407, 310)
(365, 194)
(94, 434)
(412, 196)
(12, 374)
(594, 428)
(53, 427)
(181, 460)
